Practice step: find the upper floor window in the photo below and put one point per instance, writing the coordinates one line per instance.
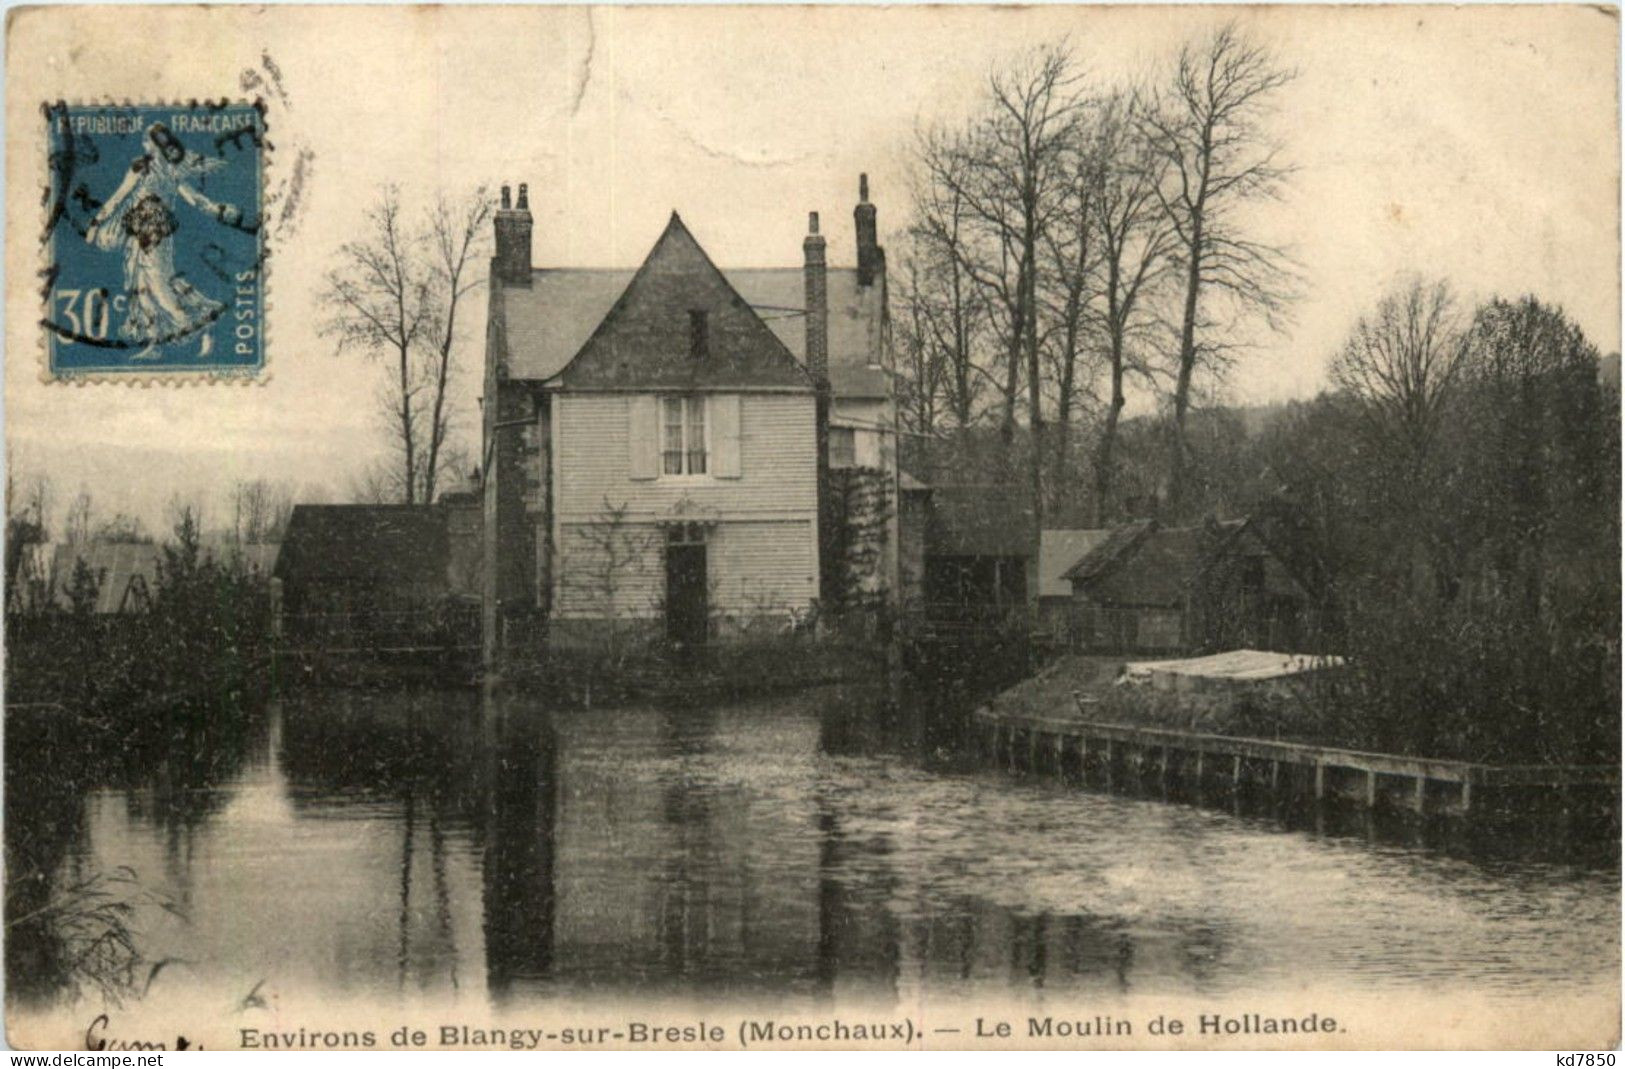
(1252, 573)
(673, 435)
(699, 334)
(843, 450)
(682, 436)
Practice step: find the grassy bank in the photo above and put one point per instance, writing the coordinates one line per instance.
(736, 669)
(1343, 708)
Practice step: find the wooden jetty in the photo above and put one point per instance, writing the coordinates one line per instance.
(1118, 755)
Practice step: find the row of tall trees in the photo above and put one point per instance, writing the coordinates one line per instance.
(1454, 498)
(255, 511)
(1074, 240)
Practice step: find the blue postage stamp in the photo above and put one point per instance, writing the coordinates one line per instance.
(154, 252)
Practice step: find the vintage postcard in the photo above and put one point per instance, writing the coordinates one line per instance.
(768, 527)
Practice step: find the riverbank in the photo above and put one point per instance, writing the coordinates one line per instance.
(1286, 710)
(1284, 740)
(1188, 763)
(723, 671)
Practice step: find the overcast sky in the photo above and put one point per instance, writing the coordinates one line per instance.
(1478, 144)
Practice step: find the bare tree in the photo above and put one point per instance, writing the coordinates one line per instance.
(1538, 450)
(461, 465)
(1008, 171)
(1401, 364)
(456, 238)
(379, 483)
(80, 520)
(380, 301)
(184, 512)
(260, 511)
(1136, 238)
(946, 310)
(1069, 285)
(121, 527)
(614, 554)
(31, 498)
(921, 383)
(28, 508)
(1207, 124)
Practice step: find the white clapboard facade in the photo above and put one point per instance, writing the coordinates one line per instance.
(652, 436)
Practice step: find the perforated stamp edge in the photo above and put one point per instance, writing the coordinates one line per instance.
(178, 377)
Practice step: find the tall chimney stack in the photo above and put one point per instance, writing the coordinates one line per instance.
(817, 320)
(869, 254)
(511, 262)
(817, 303)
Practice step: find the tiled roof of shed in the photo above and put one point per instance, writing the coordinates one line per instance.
(1058, 551)
(377, 543)
(1105, 553)
(1146, 564)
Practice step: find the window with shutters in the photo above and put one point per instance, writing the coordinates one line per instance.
(682, 436)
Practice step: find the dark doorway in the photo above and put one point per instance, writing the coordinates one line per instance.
(687, 610)
(966, 587)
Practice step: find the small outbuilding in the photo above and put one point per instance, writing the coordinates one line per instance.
(1058, 550)
(365, 573)
(979, 543)
(1212, 586)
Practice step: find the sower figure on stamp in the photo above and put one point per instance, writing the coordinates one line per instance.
(140, 216)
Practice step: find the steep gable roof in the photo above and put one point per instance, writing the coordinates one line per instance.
(645, 340)
(547, 323)
(1106, 553)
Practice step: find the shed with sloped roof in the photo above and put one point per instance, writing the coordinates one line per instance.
(1211, 586)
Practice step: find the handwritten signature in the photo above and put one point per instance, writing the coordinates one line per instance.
(96, 1038)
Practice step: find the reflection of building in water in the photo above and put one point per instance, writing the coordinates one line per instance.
(859, 950)
(757, 849)
(519, 769)
(383, 846)
(386, 790)
(687, 850)
(648, 849)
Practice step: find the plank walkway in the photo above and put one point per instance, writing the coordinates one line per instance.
(1115, 751)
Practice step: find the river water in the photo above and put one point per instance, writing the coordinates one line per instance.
(388, 845)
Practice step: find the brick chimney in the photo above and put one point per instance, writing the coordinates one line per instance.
(817, 303)
(871, 259)
(817, 318)
(511, 262)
